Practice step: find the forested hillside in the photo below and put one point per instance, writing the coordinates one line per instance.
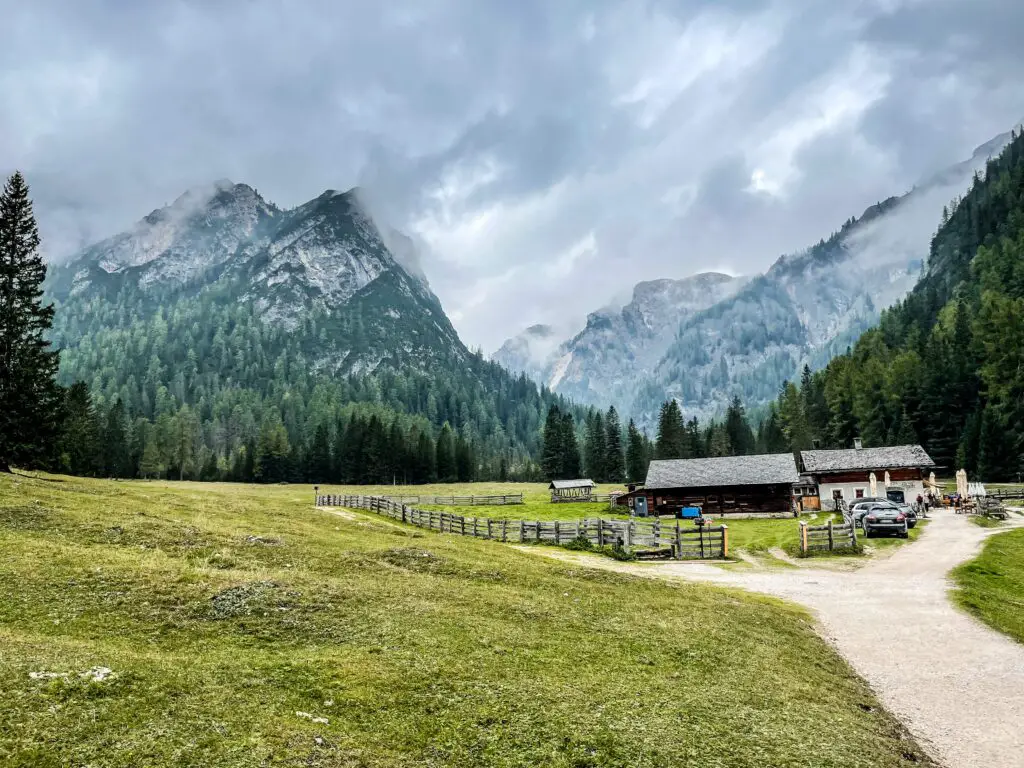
(224, 338)
(946, 365)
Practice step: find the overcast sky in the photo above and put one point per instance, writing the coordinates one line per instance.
(550, 153)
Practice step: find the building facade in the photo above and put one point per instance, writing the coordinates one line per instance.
(755, 486)
(845, 475)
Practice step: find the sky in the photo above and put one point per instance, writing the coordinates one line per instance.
(546, 155)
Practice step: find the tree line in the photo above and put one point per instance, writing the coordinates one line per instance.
(945, 367)
(188, 385)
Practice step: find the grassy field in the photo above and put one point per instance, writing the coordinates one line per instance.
(991, 586)
(244, 627)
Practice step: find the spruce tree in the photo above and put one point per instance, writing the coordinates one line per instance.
(636, 454)
(116, 455)
(614, 463)
(80, 444)
(671, 440)
(595, 448)
(740, 435)
(29, 396)
(553, 452)
(320, 456)
(571, 468)
(447, 471)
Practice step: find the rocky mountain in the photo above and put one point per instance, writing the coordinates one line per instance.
(326, 258)
(600, 364)
(707, 338)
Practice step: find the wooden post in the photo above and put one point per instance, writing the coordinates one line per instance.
(831, 540)
(489, 535)
(600, 532)
(679, 542)
(853, 534)
(504, 530)
(557, 534)
(538, 530)
(522, 531)
(725, 540)
(803, 536)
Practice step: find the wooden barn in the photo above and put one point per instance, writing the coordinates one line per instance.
(729, 485)
(571, 490)
(845, 474)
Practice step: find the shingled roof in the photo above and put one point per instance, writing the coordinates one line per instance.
(893, 457)
(767, 469)
(562, 485)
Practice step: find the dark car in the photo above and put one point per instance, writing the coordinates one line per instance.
(859, 508)
(884, 518)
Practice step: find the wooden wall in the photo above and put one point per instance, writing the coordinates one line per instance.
(724, 500)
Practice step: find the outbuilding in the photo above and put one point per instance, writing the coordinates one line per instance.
(729, 485)
(845, 475)
(571, 490)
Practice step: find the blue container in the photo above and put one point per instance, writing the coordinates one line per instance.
(689, 513)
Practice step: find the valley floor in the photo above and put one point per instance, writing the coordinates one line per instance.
(205, 624)
(957, 684)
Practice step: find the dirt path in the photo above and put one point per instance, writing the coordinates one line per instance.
(956, 684)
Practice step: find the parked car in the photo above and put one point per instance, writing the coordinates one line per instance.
(859, 507)
(886, 518)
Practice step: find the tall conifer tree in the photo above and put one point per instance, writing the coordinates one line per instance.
(29, 395)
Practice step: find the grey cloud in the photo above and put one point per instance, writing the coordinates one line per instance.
(586, 150)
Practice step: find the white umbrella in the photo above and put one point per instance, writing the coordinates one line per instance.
(931, 481)
(873, 482)
(888, 480)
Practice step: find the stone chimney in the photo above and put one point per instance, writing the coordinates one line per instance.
(857, 444)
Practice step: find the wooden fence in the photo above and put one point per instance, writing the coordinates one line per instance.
(446, 501)
(828, 537)
(646, 538)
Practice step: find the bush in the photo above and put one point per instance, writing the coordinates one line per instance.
(580, 543)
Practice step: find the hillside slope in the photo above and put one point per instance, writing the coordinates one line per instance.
(166, 624)
(946, 365)
(221, 317)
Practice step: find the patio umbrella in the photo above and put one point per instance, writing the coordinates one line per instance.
(873, 482)
(888, 480)
(932, 483)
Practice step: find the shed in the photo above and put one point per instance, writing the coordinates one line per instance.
(844, 475)
(571, 490)
(751, 485)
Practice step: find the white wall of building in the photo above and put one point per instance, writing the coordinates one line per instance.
(911, 489)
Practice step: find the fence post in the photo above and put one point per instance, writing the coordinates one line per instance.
(504, 530)
(700, 532)
(679, 542)
(489, 521)
(725, 540)
(600, 532)
(629, 534)
(853, 534)
(522, 531)
(538, 530)
(831, 539)
(803, 537)
(558, 533)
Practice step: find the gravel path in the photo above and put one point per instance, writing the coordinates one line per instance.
(957, 685)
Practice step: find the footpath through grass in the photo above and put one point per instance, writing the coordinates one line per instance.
(991, 586)
(243, 627)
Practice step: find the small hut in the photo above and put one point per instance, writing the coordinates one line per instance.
(571, 490)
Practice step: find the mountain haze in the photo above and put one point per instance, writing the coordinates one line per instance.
(708, 338)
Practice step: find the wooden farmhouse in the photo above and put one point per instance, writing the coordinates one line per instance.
(571, 490)
(846, 473)
(729, 485)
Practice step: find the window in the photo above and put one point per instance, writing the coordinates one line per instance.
(860, 493)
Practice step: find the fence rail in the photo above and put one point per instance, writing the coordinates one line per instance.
(447, 501)
(669, 540)
(828, 537)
